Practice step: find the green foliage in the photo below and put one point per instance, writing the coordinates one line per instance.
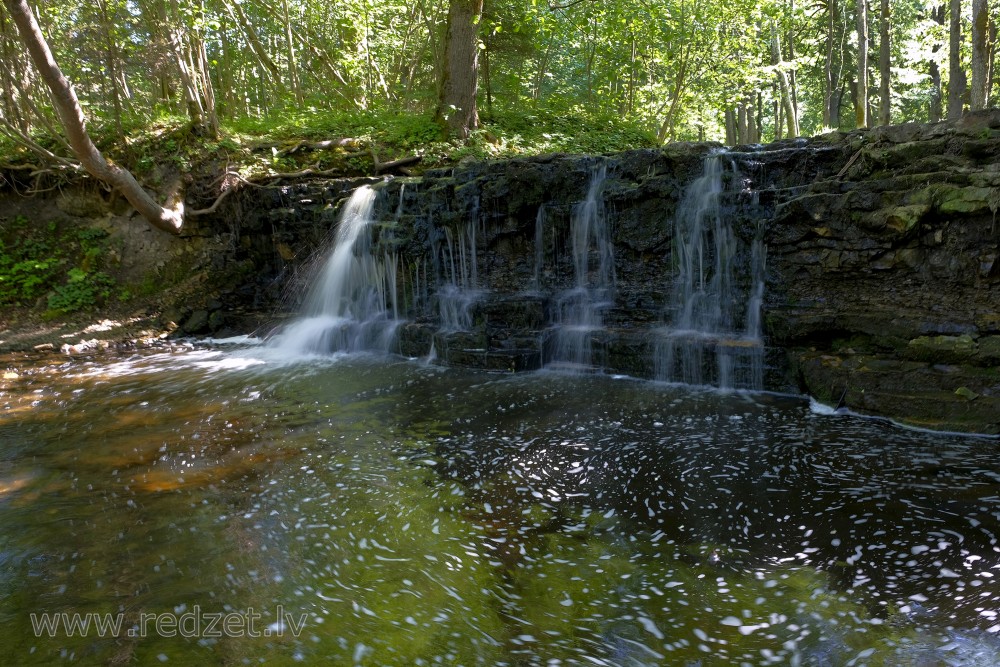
(41, 262)
(29, 266)
(82, 290)
(583, 77)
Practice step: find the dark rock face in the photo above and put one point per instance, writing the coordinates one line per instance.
(883, 260)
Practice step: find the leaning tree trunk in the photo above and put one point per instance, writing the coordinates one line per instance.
(67, 106)
(457, 103)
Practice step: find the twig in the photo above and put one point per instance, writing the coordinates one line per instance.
(225, 192)
(849, 163)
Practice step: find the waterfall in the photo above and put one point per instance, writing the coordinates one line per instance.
(714, 332)
(579, 312)
(536, 280)
(458, 278)
(353, 305)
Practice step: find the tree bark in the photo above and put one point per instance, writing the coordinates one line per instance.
(956, 75)
(992, 75)
(456, 110)
(67, 106)
(884, 66)
(293, 69)
(12, 73)
(786, 95)
(240, 17)
(828, 65)
(861, 96)
(113, 62)
(732, 138)
(936, 112)
(980, 85)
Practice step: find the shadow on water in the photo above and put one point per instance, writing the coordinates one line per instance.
(417, 515)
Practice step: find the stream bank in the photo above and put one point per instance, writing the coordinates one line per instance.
(882, 285)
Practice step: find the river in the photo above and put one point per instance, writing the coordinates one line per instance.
(359, 509)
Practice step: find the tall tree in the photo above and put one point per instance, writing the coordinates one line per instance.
(75, 125)
(937, 95)
(456, 109)
(884, 65)
(828, 79)
(861, 94)
(980, 85)
(786, 95)
(956, 74)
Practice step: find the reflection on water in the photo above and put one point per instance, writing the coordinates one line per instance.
(416, 515)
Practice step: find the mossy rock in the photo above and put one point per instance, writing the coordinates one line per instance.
(965, 200)
(989, 350)
(942, 349)
(904, 218)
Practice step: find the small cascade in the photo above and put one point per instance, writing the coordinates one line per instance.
(536, 281)
(579, 312)
(714, 331)
(353, 306)
(458, 278)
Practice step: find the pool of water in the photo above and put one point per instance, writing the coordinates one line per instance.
(372, 511)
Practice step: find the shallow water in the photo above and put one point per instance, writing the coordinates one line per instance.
(358, 510)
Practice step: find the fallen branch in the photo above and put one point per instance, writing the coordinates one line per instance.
(849, 163)
(397, 164)
(321, 145)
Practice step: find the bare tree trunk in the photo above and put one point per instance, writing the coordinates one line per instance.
(884, 66)
(293, 70)
(241, 19)
(792, 72)
(68, 107)
(204, 77)
(861, 97)
(154, 13)
(457, 103)
(543, 64)
(786, 96)
(980, 85)
(732, 138)
(828, 65)
(13, 77)
(633, 53)
(991, 78)
(225, 71)
(680, 80)
(937, 94)
(185, 67)
(741, 123)
(113, 61)
(487, 80)
(956, 75)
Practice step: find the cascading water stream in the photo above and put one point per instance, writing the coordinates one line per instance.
(458, 278)
(714, 333)
(579, 312)
(353, 305)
